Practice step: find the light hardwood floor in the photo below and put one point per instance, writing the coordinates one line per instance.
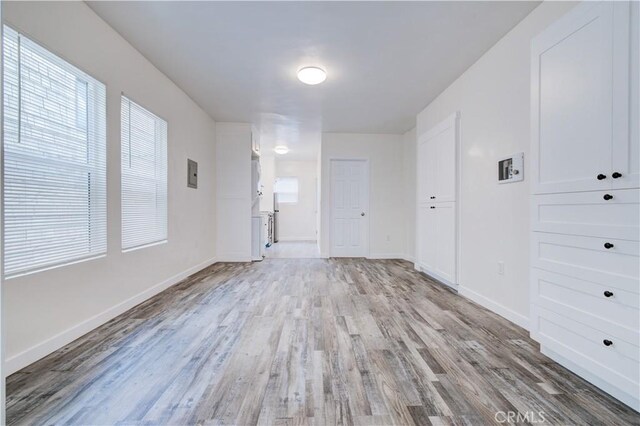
(314, 341)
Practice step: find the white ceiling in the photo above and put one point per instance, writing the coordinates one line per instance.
(385, 60)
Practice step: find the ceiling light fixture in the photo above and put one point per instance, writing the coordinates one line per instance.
(312, 75)
(281, 149)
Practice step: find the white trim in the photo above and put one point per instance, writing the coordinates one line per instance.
(434, 276)
(495, 307)
(617, 393)
(386, 256)
(408, 258)
(42, 349)
(234, 257)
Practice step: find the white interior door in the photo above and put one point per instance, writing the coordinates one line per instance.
(349, 208)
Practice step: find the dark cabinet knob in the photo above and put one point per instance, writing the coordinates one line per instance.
(607, 342)
(607, 197)
(608, 245)
(601, 176)
(607, 293)
(616, 175)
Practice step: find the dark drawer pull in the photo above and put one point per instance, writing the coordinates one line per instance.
(607, 342)
(616, 175)
(607, 293)
(608, 197)
(608, 246)
(601, 176)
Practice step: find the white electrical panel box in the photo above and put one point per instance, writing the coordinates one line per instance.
(511, 169)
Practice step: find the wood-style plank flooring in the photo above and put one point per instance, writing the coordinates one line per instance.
(305, 341)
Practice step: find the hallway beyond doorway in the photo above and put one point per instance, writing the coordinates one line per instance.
(293, 250)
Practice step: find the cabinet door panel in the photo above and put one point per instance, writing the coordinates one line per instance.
(444, 147)
(626, 143)
(426, 237)
(426, 171)
(573, 102)
(421, 172)
(445, 224)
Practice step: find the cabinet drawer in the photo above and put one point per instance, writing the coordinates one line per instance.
(562, 294)
(587, 258)
(588, 213)
(617, 364)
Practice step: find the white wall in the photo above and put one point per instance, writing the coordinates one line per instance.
(46, 310)
(234, 195)
(267, 177)
(493, 99)
(297, 222)
(409, 176)
(386, 193)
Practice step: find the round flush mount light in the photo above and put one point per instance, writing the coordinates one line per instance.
(281, 149)
(312, 75)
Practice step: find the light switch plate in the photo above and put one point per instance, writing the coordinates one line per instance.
(511, 169)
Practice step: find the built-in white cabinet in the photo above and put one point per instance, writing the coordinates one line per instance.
(436, 238)
(585, 249)
(581, 126)
(437, 166)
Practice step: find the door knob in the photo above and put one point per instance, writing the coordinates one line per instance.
(616, 175)
(362, 214)
(608, 294)
(607, 197)
(607, 342)
(601, 176)
(608, 245)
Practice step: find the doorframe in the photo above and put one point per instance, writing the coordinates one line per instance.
(368, 204)
(452, 120)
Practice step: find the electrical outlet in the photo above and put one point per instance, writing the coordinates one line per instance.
(501, 268)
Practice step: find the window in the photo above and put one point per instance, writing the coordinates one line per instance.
(54, 160)
(286, 189)
(144, 176)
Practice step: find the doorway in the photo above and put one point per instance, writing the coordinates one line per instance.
(349, 223)
(295, 207)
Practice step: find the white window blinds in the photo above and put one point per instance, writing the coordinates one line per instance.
(144, 176)
(54, 159)
(286, 189)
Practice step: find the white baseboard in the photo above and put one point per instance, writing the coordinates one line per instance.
(496, 307)
(385, 256)
(628, 399)
(36, 352)
(232, 257)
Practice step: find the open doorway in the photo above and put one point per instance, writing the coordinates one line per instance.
(294, 232)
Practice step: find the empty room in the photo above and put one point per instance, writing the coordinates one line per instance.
(320, 213)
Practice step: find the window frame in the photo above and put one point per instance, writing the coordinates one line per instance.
(296, 192)
(163, 239)
(95, 127)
